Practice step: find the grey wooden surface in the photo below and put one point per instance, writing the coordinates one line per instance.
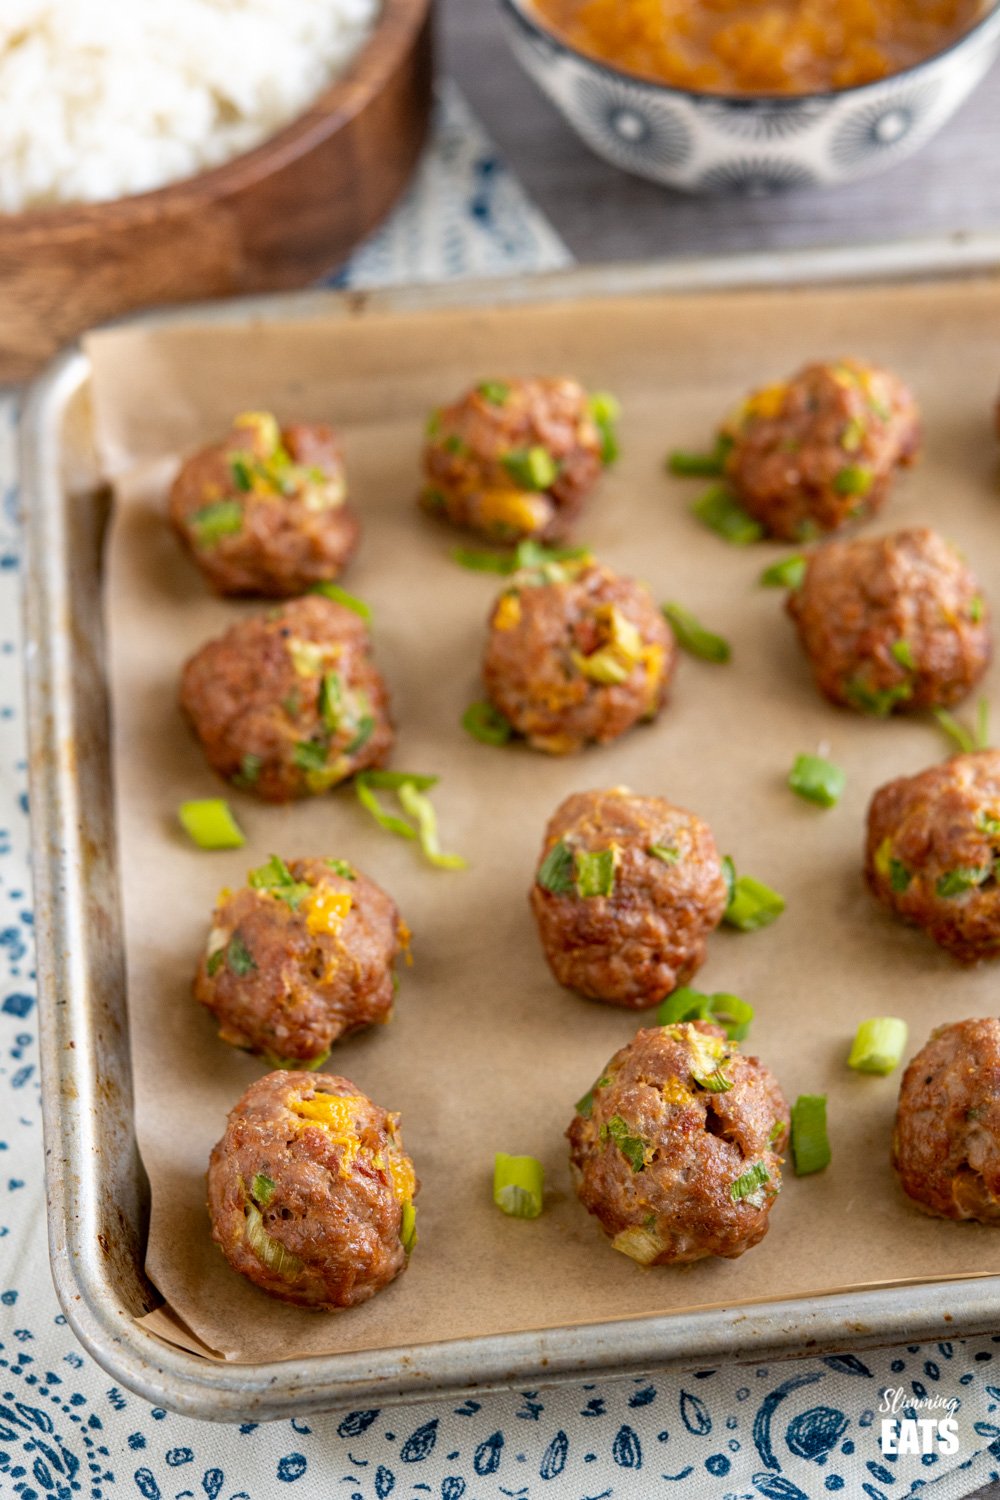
(603, 214)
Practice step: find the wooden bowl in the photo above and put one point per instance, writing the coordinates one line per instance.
(277, 216)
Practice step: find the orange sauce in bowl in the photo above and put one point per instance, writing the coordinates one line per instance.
(760, 46)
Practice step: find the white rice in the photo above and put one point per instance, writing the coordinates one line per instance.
(102, 98)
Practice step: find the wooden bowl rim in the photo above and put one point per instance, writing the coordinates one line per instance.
(396, 31)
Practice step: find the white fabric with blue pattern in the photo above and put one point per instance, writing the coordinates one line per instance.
(797, 1431)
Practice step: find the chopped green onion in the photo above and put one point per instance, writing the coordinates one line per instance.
(343, 869)
(632, 1147)
(456, 445)
(295, 1064)
(269, 1251)
(728, 1011)
(810, 1144)
(787, 574)
(210, 824)
(331, 702)
(728, 876)
(239, 960)
(879, 702)
(967, 740)
(714, 1082)
(213, 522)
(249, 772)
(902, 652)
(606, 410)
(595, 872)
(532, 468)
(701, 465)
(486, 724)
(363, 733)
(557, 870)
(262, 1189)
(409, 788)
(341, 596)
(719, 510)
(817, 780)
(419, 806)
(853, 479)
(878, 1046)
(693, 636)
(752, 905)
(531, 554)
(989, 824)
(585, 1105)
(241, 469)
(665, 854)
(749, 1186)
(483, 562)
(433, 428)
(639, 1243)
(311, 755)
(958, 882)
(214, 962)
(977, 606)
(899, 876)
(408, 1228)
(776, 1131)
(518, 1184)
(496, 392)
(277, 879)
(853, 435)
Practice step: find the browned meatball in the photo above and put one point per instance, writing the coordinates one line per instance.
(933, 849)
(946, 1145)
(310, 1191)
(298, 958)
(892, 623)
(576, 655)
(677, 1147)
(516, 458)
(289, 703)
(626, 892)
(264, 511)
(821, 449)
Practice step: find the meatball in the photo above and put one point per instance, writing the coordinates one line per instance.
(933, 849)
(892, 623)
(576, 655)
(946, 1144)
(310, 1191)
(298, 958)
(820, 449)
(516, 458)
(626, 892)
(676, 1149)
(264, 511)
(289, 703)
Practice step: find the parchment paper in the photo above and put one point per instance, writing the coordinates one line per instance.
(486, 1052)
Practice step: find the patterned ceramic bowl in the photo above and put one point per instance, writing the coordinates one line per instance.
(717, 143)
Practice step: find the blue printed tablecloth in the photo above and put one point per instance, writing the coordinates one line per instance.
(797, 1431)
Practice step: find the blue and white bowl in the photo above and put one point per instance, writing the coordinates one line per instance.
(719, 143)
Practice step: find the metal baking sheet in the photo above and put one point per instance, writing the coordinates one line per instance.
(96, 1190)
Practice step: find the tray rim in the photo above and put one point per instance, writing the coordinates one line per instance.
(188, 1383)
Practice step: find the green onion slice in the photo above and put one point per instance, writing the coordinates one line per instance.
(879, 702)
(977, 606)
(902, 652)
(408, 1228)
(957, 882)
(295, 1064)
(420, 808)
(595, 872)
(269, 1251)
(249, 771)
(719, 510)
(664, 853)
(810, 1144)
(878, 1046)
(727, 1011)
(639, 1243)
(343, 869)
(752, 905)
(239, 960)
(341, 596)
(787, 574)
(277, 879)
(533, 468)
(817, 780)
(632, 1147)
(213, 522)
(585, 1105)
(853, 479)
(749, 1186)
(557, 872)
(606, 411)
(693, 637)
(701, 465)
(262, 1189)
(967, 740)
(518, 1184)
(486, 724)
(496, 392)
(210, 824)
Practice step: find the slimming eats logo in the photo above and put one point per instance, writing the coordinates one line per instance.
(908, 1427)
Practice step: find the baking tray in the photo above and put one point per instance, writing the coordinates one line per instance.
(97, 1198)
